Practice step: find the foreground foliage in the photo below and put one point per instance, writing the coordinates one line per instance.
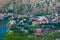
(25, 36)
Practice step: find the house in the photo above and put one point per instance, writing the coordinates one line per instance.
(34, 23)
(38, 31)
(1, 16)
(11, 23)
(42, 20)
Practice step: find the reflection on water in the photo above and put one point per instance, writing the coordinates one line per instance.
(3, 28)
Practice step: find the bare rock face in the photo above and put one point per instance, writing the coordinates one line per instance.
(3, 2)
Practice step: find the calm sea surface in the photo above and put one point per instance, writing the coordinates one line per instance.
(3, 28)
